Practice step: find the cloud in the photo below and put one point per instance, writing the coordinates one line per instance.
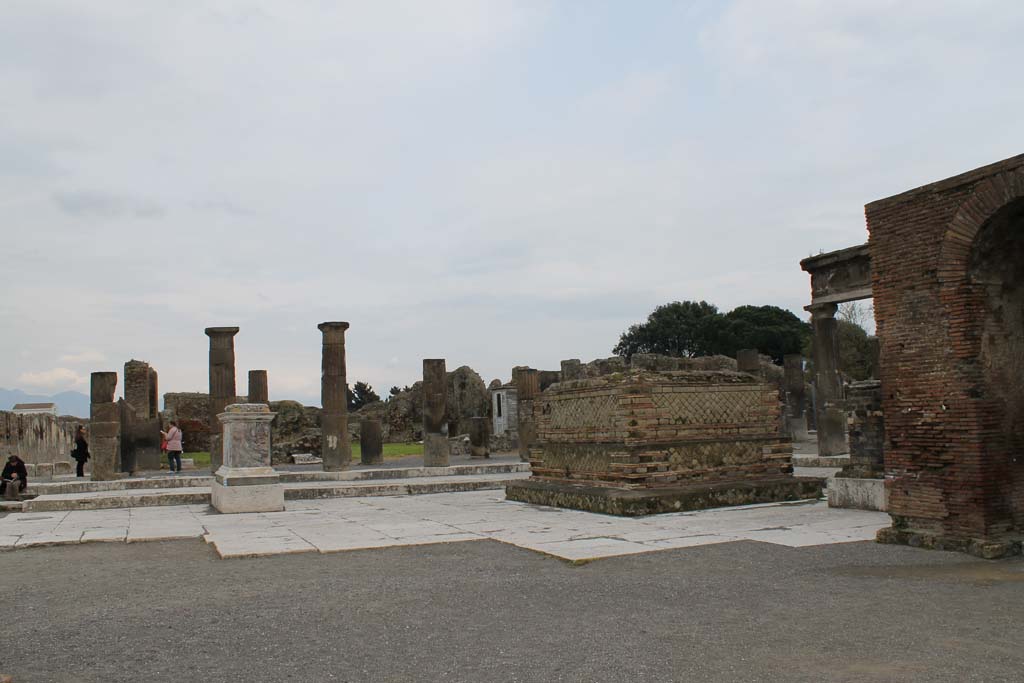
(52, 379)
(83, 357)
(105, 205)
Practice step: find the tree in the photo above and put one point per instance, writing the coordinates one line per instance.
(771, 330)
(691, 328)
(360, 395)
(680, 328)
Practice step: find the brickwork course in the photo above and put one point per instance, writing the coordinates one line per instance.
(948, 283)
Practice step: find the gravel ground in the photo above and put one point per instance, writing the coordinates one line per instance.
(484, 611)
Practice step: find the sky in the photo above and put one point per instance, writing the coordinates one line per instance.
(496, 183)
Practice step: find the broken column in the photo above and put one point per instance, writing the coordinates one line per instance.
(104, 427)
(831, 416)
(479, 433)
(246, 482)
(747, 360)
(222, 384)
(527, 383)
(572, 369)
(861, 483)
(336, 450)
(371, 443)
(258, 391)
(435, 425)
(796, 396)
(140, 431)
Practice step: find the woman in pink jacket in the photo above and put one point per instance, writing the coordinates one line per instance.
(173, 438)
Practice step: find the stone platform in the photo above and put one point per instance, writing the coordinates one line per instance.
(639, 502)
(163, 491)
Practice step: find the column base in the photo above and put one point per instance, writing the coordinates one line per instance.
(435, 450)
(247, 489)
(858, 494)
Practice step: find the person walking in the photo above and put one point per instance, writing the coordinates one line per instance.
(173, 438)
(81, 451)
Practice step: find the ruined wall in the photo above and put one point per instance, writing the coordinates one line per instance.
(865, 427)
(642, 429)
(38, 438)
(192, 412)
(952, 433)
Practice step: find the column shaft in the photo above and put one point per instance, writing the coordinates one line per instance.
(336, 450)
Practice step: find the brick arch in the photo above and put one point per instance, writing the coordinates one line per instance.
(987, 199)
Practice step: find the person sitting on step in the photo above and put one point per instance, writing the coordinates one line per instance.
(14, 478)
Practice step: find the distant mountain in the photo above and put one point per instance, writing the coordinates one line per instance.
(68, 402)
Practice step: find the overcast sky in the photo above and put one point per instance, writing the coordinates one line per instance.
(495, 183)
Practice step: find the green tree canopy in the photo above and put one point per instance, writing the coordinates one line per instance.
(690, 328)
(360, 395)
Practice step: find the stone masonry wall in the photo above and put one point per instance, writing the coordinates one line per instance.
(38, 438)
(953, 470)
(642, 429)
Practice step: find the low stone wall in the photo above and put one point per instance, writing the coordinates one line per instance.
(38, 438)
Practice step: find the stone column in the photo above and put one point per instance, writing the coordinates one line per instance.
(796, 396)
(435, 408)
(572, 369)
(831, 417)
(246, 482)
(527, 383)
(258, 391)
(478, 436)
(222, 385)
(104, 427)
(336, 449)
(747, 360)
(371, 443)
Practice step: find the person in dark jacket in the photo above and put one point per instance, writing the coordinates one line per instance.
(14, 478)
(81, 452)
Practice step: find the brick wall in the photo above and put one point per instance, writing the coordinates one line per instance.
(948, 402)
(644, 429)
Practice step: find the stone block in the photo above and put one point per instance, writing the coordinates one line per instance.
(247, 490)
(858, 494)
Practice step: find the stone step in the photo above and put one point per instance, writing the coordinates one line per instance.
(301, 490)
(821, 461)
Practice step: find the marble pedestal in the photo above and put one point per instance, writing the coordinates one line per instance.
(246, 482)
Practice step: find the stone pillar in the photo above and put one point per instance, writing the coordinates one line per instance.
(435, 407)
(479, 433)
(831, 417)
(371, 443)
(336, 449)
(222, 385)
(258, 391)
(137, 387)
(245, 481)
(104, 427)
(572, 369)
(747, 360)
(527, 383)
(796, 396)
(140, 424)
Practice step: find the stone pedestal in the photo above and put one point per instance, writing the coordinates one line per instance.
(104, 427)
(246, 482)
(479, 435)
(861, 483)
(371, 443)
(258, 390)
(336, 450)
(222, 384)
(831, 415)
(435, 408)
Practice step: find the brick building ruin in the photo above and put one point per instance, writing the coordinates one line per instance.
(659, 434)
(946, 265)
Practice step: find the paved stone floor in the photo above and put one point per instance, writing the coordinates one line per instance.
(340, 524)
(172, 611)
